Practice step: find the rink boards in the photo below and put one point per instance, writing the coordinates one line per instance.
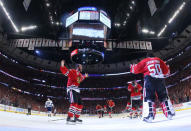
(178, 107)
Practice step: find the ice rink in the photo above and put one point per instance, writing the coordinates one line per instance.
(21, 122)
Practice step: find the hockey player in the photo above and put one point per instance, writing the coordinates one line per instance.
(49, 105)
(133, 113)
(140, 109)
(104, 109)
(99, 110)
(74, 79)
(111, 104)
(154, 70)
(128, 107)
(55, 111)
(29, 107)
(136, 94)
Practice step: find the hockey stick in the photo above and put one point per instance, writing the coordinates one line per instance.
(57, 119)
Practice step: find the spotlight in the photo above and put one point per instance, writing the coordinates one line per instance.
(25, 28)
(162, 30)
(37, 52)
(47, 4)
(152, 32)
(145, 30)
(117, 24)
(8, 16)
(124, 23)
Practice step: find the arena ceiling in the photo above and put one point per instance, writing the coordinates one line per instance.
(39, 13)
(49, 16)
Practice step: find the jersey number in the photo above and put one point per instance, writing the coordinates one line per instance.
(155, 69)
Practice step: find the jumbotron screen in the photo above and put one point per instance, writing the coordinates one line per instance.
(88, 31)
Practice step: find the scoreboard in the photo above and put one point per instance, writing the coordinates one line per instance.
(70, 20)
(89, 14)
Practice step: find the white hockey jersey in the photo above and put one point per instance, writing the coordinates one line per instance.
(49, 103)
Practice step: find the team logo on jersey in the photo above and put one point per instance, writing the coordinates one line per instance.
(136, 90)
(78, 79)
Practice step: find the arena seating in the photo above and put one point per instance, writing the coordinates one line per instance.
(14, 91)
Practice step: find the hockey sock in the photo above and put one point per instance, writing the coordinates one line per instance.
(72, 110)
(109, 114)
(78, 111)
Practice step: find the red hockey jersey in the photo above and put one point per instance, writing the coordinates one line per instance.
(128, 106)
(154, 67)
(135, 91)
(105, 108)
(111, 103)
(74, 76)
(98, 107)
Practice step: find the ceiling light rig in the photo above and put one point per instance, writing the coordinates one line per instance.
(146, 31)
(48, 4)
(57, 23)
(117, 24)
(50, 14)
(162, 30)
(176, 12)
(131, 7)
(133, 2)
(172, 18)
(8, 16)
(26, 28)
(124, 23)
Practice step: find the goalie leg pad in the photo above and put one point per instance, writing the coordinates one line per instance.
(149, 111)
(167, 108)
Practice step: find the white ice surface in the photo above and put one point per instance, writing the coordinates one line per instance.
(21, 122)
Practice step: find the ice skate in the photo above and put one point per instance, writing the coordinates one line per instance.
(149, 118)
(77, 120)
(170, 115)
(70, 121)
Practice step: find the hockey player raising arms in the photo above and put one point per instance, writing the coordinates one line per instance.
(74, 79)
(154, 70)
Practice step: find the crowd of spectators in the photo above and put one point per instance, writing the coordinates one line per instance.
(180, 92)
(15, 98)
(180, 89)
(14, 93)
(10, 96)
